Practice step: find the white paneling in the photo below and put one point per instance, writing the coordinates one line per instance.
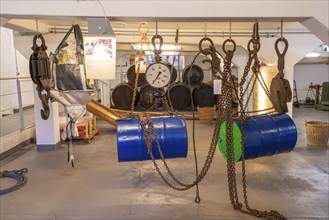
(22, 64)
(7, 67)
(8, 98)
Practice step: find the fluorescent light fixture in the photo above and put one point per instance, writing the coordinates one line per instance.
(170, 47)
(312, 55)
(164, 53)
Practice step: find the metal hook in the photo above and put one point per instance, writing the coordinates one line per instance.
(176, 37)
(205, 29)
(255, 33)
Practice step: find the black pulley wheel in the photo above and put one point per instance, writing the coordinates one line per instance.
(194, 73)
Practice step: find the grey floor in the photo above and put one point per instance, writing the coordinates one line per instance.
(295, 184)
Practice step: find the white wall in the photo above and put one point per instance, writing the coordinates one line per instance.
(10, 59)
(304, 74)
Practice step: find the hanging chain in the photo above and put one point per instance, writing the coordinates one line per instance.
(253, 48)
(144, 40)
(227, 116)
(149, 131)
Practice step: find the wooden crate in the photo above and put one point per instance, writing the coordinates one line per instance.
(87, 128)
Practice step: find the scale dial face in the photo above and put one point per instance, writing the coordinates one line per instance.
(158, 75)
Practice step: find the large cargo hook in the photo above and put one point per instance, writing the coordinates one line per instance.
(40, 72)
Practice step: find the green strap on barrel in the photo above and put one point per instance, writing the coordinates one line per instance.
(236, 140)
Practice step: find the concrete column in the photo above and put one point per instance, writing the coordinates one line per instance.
(47, 131)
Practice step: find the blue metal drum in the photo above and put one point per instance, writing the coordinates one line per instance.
(263, 136)
(171, 132)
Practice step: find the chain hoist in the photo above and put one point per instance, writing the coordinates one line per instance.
(144, 40)
(280, 87)
(150, 136)
(227, 117)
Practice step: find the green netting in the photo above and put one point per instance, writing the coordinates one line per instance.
(236, 140)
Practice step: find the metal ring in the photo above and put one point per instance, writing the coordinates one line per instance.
(257, 44)
(227, 41)
(197, 199)
(205, 39)
(284, 40)
(140, 25)
(43, 43)
(160, 44)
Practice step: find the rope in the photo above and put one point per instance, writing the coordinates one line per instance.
(18, 175)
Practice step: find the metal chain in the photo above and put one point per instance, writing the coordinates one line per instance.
(149, 131)
(225, 106)
(168, 107)
(271, 215)
(144, 40)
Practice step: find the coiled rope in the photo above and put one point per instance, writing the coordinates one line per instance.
(18, 175)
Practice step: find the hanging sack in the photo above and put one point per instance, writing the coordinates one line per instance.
(68, 70)
(68, 65)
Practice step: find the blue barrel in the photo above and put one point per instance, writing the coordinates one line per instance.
(265, 135)
(171, 132)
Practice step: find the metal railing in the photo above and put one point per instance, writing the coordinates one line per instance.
(19, 93)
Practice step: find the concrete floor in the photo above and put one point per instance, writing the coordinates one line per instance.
(295, 184)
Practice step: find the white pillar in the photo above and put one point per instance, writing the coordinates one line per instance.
(47, 131)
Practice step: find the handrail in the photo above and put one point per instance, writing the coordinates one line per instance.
(14, 107)
(11, 78)
(14, 93)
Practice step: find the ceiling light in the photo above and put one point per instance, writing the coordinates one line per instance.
(170, 47)
(312, 55)
(164, 53)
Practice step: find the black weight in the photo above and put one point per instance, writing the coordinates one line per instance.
(195, 75)
(179, 96)
(122, 96)
(147, 96)
(203, 96)
(131, 76)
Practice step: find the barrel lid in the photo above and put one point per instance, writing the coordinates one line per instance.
(236, 141)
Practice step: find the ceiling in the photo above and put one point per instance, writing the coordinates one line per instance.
(125, 27)
(190, 32)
